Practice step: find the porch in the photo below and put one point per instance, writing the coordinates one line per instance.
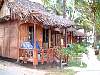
(40, 44)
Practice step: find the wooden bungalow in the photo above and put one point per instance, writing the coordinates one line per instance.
(28, 23)
(75, 35)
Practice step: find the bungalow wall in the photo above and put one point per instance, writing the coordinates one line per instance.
(39, 35)
(24, 33)
(9, 39)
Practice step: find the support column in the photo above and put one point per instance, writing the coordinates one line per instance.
(71, 37)
(34, 36)
(65, 37)
(35, 51)
(45, 36)
(49, 38)
(55, 39)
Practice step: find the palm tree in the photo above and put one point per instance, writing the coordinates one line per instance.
(55, 7)
(64, 8)
(46, 2)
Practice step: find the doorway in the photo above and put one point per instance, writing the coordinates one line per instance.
(31, 34)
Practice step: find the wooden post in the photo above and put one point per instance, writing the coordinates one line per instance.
(45, 36)
(79, 39)
(49, 38)
(71, 37)
(48, 55)
(18, 43)
(35, 51)
(55, 39)
(65, 37)
(34, 36)
(42, 56)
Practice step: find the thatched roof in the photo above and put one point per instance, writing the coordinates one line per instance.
(5, 18)
(1, 3)
(80, 34)
(26, 7)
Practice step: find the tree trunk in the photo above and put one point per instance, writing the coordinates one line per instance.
(64, 15)
(64, 8)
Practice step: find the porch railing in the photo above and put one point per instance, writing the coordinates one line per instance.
(44, 55)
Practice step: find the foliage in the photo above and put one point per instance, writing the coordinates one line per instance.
(46, 2)
(73, 49)
(76, 63)
(85, 8)
(54, 7)
(79, 49)
(98, 57)
(61, 72)
(85, 19)
(66, 51)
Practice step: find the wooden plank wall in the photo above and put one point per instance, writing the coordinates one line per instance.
(6, 43)
(13, 40)
(23, 33)
(56, 39)
(39, 34)
(9, 40)
(1, 39)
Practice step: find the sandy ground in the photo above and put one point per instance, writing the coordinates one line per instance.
(9, 68)
(93, 65)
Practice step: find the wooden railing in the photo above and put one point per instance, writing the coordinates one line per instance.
(48, 55)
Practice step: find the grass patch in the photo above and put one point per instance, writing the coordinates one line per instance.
(61, 72)
(77, 63)
(98, 57)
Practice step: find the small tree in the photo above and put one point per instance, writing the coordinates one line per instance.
(79, 49)
(73, 50)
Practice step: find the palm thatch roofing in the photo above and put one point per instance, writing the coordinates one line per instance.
(1, 3)
(81, 34)
(26, 9)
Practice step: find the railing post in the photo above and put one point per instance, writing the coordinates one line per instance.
(35, 57)
(42, 56)
(48, 54)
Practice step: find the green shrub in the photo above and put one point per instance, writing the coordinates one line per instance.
(73, 49)
(61, 72)
(76, 63)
